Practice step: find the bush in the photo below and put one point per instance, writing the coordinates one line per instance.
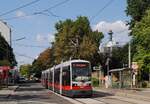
(95, 82)
(144, 84)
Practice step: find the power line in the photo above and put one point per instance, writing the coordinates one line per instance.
(56, 5)
(100, 10)
(27, 15)
(32, 46)
(42, 12)
(23, 6)
(24, 55)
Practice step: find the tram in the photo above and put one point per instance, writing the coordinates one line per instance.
(71, 78)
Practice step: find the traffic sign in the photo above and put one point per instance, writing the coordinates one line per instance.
(97, 68)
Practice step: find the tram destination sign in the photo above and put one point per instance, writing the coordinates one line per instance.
(80, 65)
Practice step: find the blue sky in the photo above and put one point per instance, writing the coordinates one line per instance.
(38, 30)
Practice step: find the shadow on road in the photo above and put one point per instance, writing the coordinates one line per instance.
(97, 94)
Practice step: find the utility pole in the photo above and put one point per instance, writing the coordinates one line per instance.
(129, 65)
(110, 33)
(129, 55)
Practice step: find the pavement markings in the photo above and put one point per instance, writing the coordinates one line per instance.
(136, 101)
(8, 102)
(89, 101)
(34, 102)
(66, 98)
(79, 100)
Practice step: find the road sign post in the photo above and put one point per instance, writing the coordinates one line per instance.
(98, 69)
(134, 67)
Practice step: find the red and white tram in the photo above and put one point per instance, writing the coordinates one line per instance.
(71, 78)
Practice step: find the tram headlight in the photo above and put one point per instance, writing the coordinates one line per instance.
(74, 84)
(89, 84)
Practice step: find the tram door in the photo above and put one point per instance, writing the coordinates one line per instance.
(66, 79)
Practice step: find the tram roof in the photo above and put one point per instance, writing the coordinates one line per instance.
(65, 64)
(70, 61)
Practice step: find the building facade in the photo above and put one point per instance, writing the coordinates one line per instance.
(5, 31)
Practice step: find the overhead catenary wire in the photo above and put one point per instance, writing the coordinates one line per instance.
(24, 55)
(23, 6)
(101, 9)
(56, 5)
(30, 46)
(42, 12)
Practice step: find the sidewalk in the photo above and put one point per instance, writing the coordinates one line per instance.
(6, 92)
(142, 94)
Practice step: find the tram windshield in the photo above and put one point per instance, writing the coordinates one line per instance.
(81, 71)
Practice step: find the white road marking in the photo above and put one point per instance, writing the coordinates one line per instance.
(66, 98)
(89, 101)
(136, 101)
(12, 102)
(35, 102)
(80, 100)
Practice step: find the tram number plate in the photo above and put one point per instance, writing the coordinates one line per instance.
(82, 85)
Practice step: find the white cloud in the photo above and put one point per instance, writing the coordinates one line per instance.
(20, 13)
(45, 38)
(51, 38)
(41, 38)
(119, 28)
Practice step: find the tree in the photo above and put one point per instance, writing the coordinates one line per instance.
(141, 39)
(42, 62)
(139, 10)
(6, 53)
(25, 70)
(136, 9)
(119, 57)
(75, 39)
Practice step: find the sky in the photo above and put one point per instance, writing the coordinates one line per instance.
(37, 26)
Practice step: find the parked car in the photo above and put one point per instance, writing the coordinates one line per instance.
(22, 80)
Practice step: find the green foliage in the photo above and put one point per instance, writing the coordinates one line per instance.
(5, 63)
(145, 84)
(141, 39)
(119, 57)
(139, 10)
(75, 39)
(6, 53)
(95, 82)
(43, 62)
(25, 70)
(136, 9)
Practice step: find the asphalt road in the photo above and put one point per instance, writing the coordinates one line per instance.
(34, 93)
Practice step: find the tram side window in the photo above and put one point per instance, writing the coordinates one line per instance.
(50, 76)
(46, 76)
(56, 76)
(66, 76)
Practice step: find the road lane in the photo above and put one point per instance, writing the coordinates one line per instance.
(34, 93)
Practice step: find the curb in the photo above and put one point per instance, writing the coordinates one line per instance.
(124, 94)
(140, 97)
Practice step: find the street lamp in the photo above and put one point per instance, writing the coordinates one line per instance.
(19, 39)
(14, 63)
(109, 46)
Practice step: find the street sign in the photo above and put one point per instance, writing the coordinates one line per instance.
(97, 68)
